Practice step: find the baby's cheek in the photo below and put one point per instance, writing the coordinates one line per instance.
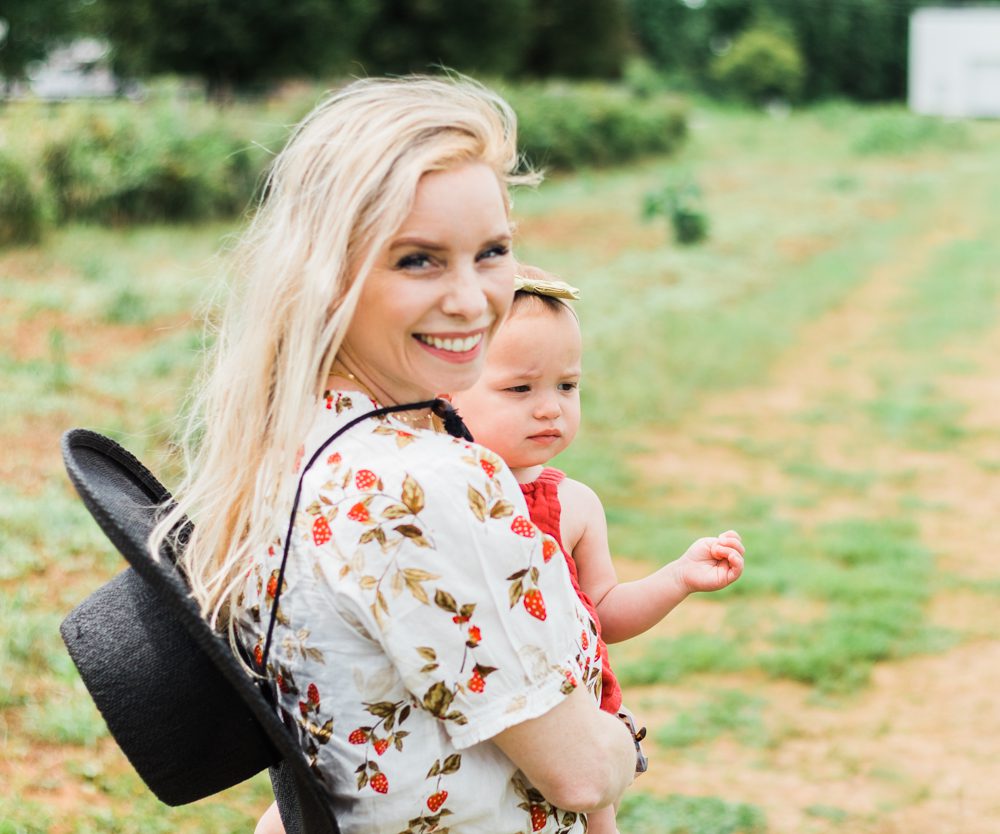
(492, 439)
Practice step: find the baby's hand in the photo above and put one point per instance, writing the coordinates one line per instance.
(712, 563)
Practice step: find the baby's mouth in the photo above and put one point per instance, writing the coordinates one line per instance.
(546, 434)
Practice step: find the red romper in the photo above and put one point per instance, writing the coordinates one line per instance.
(542, 496)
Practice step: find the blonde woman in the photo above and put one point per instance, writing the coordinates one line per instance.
(380, 574)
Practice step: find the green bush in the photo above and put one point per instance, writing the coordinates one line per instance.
(126, 167)
(564, 127)
(181, 160)
(681, 204)
(763, 63)
(643, 79)
(21, 215)
(855, 49)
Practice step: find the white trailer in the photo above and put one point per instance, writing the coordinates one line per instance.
(954, 61)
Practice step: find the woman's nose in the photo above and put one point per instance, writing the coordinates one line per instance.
(465, 297)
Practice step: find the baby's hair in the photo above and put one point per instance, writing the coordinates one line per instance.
(525, 297)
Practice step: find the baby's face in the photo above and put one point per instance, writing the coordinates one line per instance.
(526, 405)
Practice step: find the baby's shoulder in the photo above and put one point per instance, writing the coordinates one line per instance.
(576, 495)
(582, 514)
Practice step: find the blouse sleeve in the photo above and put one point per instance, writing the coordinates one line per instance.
(464, 595)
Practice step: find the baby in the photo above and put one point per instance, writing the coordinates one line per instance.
(526, 408)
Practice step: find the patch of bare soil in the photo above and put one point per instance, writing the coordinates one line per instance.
(87, 343)
(592, 228)
(31, 442)
(38, 773)
(916, 751)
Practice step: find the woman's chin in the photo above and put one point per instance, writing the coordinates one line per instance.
(456, 378)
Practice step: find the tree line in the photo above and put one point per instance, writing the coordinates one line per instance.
(801, 48)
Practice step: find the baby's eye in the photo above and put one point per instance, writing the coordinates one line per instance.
(415, 260)
(568, 386)
(518, 389)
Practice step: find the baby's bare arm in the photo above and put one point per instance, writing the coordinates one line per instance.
(585, 536)
(627, 609)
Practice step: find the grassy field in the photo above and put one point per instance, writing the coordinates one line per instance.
(823, 374)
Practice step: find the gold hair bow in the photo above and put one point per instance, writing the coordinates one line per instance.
(554, 289)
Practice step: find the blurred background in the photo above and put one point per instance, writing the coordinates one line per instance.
(784, 216)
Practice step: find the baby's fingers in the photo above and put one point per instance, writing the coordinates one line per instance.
(720, 546)
(735, 567)
(732, 539)
(724, 553)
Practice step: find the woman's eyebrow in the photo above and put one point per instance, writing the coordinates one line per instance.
(418, 242)
(423, 243)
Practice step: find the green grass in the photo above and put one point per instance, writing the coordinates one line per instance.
(68, 717)
(911, 409)
(867, 582)
(829, 477)
(803, 212)
(23, 817)
(955, 300)
(831, 813)
(645, 814)
(876, 580)
(670, 660)
(726, 712)
(29, 638)
(897, 132)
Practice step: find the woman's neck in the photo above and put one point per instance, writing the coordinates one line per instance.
(342, 378)
(346, 376)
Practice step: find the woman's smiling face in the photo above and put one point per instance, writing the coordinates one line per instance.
(437, 290)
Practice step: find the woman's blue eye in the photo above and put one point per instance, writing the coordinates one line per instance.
(415, 261)
(497, 251)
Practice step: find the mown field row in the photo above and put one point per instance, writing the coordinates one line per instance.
(820, 374)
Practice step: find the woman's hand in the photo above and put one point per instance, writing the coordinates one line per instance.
(581, 759)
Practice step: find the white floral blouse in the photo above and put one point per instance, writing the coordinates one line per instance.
(421, 614)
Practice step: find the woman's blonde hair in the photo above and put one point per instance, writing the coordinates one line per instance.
(343, 184)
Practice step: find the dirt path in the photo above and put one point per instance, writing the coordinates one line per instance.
(915, 751)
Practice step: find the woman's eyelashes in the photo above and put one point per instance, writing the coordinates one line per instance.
(414, 261)
(497, 250)
(418, 261)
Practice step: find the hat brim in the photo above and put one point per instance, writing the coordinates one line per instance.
(184, 711)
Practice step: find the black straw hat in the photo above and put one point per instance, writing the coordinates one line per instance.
(186, 714)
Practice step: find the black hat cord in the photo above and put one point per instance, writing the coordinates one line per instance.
(452, 424)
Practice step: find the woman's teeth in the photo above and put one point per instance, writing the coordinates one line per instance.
(453, 345)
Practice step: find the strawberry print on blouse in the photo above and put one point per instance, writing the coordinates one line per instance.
(421, 613)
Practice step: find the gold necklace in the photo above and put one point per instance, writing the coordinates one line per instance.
(418, 420)
(364, 388)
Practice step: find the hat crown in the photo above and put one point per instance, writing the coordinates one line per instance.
(188, 717)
